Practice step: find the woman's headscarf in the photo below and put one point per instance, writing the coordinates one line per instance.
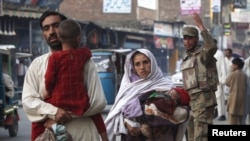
(131, 89)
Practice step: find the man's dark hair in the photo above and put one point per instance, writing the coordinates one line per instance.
(215, 41)
(239, 62)
(229, 50)
(49, 13)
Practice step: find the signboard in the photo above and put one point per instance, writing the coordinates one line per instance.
(117, 6)
(227, 29)
(163, 42)
(163, 29)
(240, 17)
(190, 6)
(242, 26)
(240, 4)
(215, 6)
(149, 4)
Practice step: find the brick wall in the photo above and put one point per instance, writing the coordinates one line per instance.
(91, 10)
(170, 11)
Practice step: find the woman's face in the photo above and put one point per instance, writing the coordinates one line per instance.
(142, 65)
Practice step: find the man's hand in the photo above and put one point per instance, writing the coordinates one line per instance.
(62, 116)
(48, 123)
(198, 21)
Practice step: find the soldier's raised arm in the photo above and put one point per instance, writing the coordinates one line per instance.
(198, 21)
(208, 40)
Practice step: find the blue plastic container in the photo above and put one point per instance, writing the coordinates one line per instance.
(109, 86)
(107, 73)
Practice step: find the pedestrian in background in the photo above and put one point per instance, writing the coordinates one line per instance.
(228, 60)
(237, 83)
(200, 78)
(21, 70)
(8, 85)
(246, 69)
(220, 96)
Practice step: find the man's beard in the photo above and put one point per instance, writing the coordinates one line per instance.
(55, 45)
(193, 47)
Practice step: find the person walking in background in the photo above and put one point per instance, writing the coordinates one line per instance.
(64, 78)
(9, 85)
(21, 70)
(246, 69)
(141, 75)
(200, 78)
(37, 110)
(237, 83)
(221, 69)
(228, 60)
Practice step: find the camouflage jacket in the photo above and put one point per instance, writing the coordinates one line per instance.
(199, 67)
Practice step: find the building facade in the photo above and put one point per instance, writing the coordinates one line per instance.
(120, 24)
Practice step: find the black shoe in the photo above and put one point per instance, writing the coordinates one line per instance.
(222, 118)
(215, 112)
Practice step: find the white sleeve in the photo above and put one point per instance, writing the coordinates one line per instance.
(33, 105)
(94, 88)
(222, 69)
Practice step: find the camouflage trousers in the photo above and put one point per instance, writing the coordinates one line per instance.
(198, 124)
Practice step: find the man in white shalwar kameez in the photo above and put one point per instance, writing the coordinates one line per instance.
(81, 128)
(228, 60)
(221, 69)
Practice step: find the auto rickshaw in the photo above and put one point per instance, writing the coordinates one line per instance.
(9, 116)
(110, 64)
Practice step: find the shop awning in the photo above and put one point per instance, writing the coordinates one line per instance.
(28, 8)
(131, 30)
(5, 49)
(22, 14)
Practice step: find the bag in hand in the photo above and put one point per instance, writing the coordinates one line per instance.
(58, 133)
(47, 135)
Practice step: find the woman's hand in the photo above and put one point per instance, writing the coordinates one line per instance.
(134, 131)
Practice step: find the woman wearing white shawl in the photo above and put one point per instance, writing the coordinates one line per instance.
(131, 88)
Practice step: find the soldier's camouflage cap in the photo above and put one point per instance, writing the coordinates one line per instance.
(190, 31)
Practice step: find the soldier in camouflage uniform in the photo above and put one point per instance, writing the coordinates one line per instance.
(200, 78)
